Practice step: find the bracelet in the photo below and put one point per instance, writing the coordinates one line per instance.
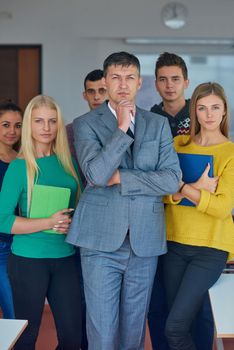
(181, 188)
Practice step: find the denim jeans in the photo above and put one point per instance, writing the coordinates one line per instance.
(189, 272)
(158, 311)
(203, 325)
(34, 279)
(6, 301)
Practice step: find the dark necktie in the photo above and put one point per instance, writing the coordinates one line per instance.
(130, 133)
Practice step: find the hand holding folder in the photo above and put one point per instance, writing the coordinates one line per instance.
(47, 200)
(193, 166)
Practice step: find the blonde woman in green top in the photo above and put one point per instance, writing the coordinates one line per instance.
(42, 265)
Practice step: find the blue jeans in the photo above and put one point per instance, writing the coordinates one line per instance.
(189, 272)
(6, 301)
(158, 311)
(203, 326)
(34, 279)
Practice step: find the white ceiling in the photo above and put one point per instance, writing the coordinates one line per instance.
(76, 35)
(121, 18)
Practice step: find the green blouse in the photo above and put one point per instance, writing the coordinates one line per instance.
(14, 191)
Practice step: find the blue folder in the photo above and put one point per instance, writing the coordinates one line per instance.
(192, 166)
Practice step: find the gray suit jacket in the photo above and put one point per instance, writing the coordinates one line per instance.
(105, 213)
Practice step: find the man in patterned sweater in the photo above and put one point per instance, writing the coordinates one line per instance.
(171, 81)
(180, 122)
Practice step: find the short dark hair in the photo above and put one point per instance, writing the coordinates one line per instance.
(94, 75)
(123, 59)
(171, 59)
(9, 106)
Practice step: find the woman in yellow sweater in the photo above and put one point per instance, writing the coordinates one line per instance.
(200, 237)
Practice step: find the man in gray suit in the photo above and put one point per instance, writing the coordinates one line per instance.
(129, 163)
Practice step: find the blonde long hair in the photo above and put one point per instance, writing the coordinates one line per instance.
(203, 90)
(60, 145)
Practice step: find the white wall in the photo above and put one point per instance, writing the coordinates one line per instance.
(77, 35)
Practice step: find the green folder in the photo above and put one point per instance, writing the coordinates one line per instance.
(47, 200)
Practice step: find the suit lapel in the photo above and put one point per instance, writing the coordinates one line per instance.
(139, 132)
(107, 117)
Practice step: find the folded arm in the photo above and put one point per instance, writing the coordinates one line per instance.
(99, 161)
(213, 196)
(163, 180)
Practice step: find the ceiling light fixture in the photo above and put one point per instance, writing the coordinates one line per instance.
(179, 41)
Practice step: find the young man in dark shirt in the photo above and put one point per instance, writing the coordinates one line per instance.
(95, 94)
(171, 81)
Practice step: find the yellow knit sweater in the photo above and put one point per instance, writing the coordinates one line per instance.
(210, 223)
